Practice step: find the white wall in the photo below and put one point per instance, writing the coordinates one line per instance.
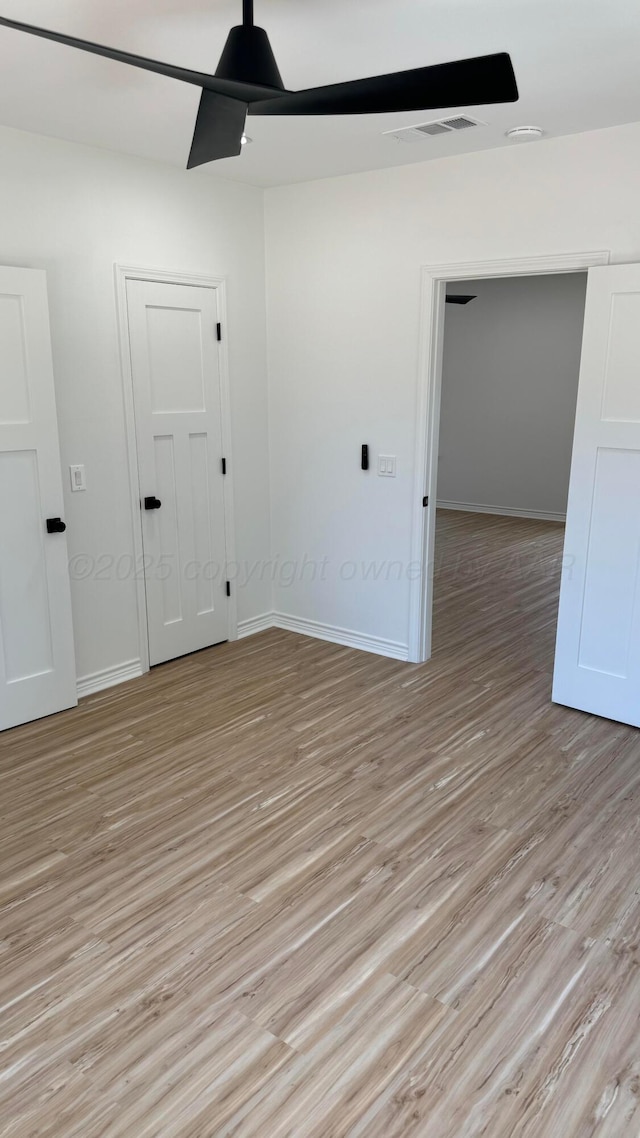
(509, 386)
(343, 278)
(74, 211)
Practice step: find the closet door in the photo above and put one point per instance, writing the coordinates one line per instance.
(178, 411)
(37, 665)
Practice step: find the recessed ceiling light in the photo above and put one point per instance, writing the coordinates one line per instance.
(245, 139)
(525, 133)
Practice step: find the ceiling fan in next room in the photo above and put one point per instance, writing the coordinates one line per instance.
(247, 80)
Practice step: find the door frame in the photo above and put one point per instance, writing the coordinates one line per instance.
(124, 273)
(434, 280)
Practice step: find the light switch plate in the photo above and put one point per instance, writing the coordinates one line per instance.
(78, 478)
(387, 465)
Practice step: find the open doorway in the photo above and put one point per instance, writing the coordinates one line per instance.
(597, 659)
(510, 368)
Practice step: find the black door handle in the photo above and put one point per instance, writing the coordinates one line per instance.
(152, 503)
(55, 525)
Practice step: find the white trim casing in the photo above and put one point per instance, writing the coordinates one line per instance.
(502, 511)
(109, 677)
(434, 280)
(123, 273)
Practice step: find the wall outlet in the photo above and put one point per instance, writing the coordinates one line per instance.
(387, 465)
(78, 478)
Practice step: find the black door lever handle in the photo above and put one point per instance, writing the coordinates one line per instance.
(55, 525)
(152, 503)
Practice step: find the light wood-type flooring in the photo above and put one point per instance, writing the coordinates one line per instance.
(284, 888)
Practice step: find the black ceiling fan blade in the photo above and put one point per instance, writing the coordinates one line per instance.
(464, 83)
(219, 129)
(243, 91)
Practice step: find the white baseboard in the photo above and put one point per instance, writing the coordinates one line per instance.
(109, 677)
(255, 624)
(503, 511)
(344, 636)
(132, 669)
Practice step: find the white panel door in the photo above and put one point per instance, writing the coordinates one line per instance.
(37, 664)
(176, 382)
(597, 666)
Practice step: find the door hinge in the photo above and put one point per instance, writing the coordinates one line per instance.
(224, 466)
(219, 331)
(228, 588)
(425, 501)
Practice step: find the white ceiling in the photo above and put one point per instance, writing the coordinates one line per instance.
(576, 61)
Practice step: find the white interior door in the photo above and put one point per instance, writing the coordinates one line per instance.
(597, 666)
(37, 664)
(176, 382)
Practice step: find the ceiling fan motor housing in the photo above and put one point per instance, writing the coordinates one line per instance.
(248, 58)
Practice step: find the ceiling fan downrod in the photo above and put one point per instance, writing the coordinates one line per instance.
(247, 13)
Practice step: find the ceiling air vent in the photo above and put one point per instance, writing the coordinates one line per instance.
(431, 129)
(459, 123)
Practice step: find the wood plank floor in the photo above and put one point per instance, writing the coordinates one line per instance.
(283, 888)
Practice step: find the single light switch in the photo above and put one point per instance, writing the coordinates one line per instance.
(387, 465)
(78, 478)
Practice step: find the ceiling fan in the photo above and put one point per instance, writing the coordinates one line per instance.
(247, 80)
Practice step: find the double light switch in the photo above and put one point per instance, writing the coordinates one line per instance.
(387, 465)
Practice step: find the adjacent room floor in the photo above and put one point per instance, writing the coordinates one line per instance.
(283, 888)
